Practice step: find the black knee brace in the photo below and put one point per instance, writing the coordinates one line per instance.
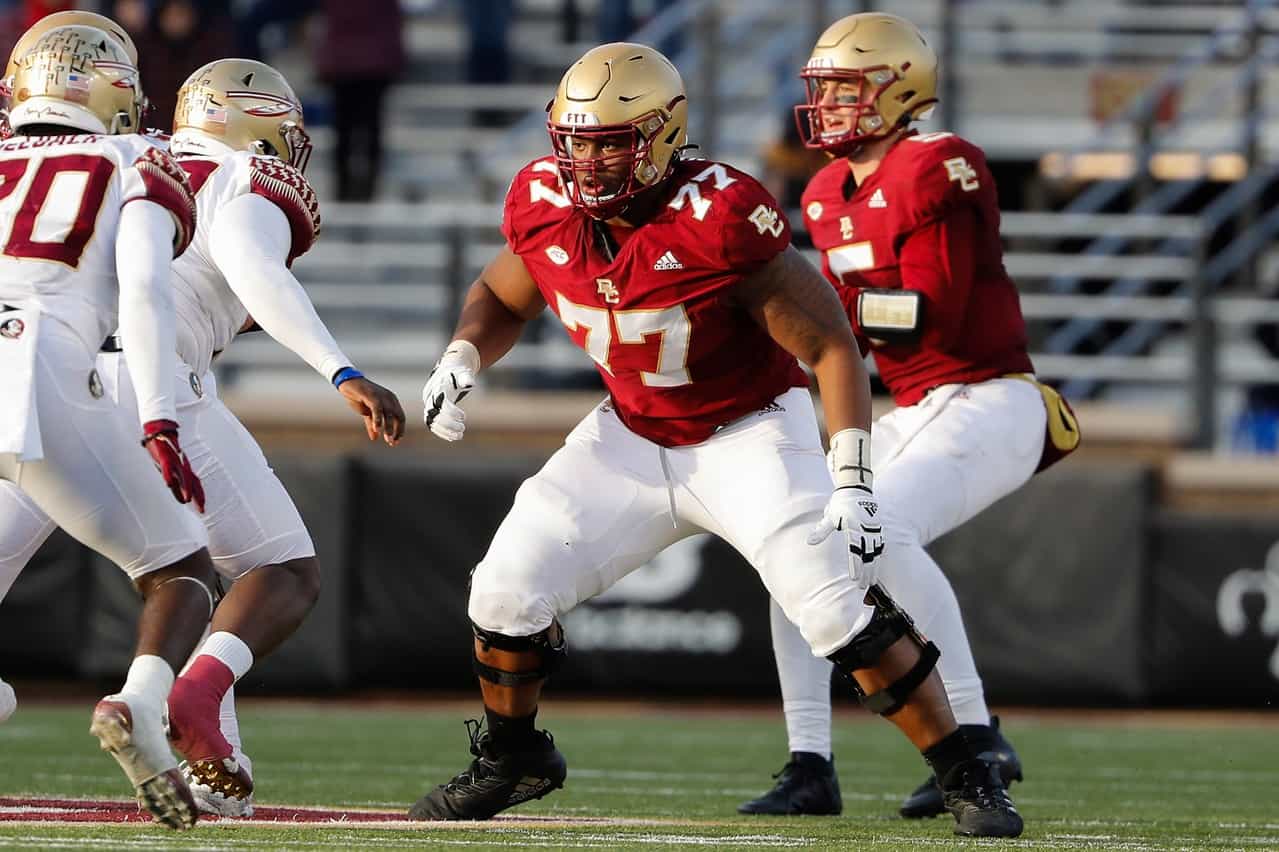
(549, 645)
(889, 623)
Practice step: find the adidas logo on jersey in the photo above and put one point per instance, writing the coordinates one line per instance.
(877, 200)
(667, 261)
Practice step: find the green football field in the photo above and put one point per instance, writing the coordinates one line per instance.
(641, 777)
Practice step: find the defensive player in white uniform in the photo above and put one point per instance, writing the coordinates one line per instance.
(238, 134)
(238, 129)
(91, 215)
(11, 501)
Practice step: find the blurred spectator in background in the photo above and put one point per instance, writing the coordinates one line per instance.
(256, 16)
(133, 15)
(11, 24)
(181, 36)
(618, 21)
(361, 52)
(1256, 426)
(488, 57)
(37, 9)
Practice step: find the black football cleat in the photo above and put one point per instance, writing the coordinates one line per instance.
(495, 781)
(991, 746)
(806, 785)
(975, 795)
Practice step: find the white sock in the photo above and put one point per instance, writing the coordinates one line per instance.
(230, 726)
(230, 650)
(918, 586)
(805, 681)
(150, 678)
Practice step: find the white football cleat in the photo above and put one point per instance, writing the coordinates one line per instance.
(132, 732)
(8, 701)
(222, 787)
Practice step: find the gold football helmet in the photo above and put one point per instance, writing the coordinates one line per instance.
(869, 75)
(71, 18)
(243, 105)
(632, 95)
(78, 77)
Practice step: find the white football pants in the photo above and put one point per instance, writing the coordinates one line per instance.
(249, 519)
(609, 500)
(937, 464)
(95, 480)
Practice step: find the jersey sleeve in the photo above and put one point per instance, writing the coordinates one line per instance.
(286, 188)
(533, 200)
(156, 176)
(750, 225)
(947, 174)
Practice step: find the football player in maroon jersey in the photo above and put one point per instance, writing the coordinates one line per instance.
(908, 229)
(677, 277)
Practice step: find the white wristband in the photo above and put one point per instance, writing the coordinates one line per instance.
(461, 353)
(850, 458)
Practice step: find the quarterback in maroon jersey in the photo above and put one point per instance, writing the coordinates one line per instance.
(908, 229)
(677, 277)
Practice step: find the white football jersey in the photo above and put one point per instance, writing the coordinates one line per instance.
(60, 203)
(209, 313)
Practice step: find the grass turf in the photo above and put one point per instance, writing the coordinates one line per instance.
(1130, 782)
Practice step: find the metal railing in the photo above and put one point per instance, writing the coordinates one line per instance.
(399, 313)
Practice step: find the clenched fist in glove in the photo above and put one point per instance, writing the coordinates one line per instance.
(852, 508)
(450, 381)
(160, 437)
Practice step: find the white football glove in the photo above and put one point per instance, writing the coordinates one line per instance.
(852, 510)
(450, 382)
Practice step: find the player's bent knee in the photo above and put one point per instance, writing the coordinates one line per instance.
(196, 565)
(509, 599)
(539, 655)
(824, 627)
(889, 624)
(194, 572)
(305, 573)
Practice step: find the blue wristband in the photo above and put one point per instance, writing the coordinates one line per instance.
(346, 373)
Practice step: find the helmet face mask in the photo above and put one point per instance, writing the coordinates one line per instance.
(603, 167)
(841, 113)
(869, 76)
(617, 122)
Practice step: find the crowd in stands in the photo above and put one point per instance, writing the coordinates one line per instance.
(357, 49)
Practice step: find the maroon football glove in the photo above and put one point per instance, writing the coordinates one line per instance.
(160, 437)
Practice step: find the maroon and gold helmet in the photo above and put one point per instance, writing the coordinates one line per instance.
(626, 92)
(868, 76)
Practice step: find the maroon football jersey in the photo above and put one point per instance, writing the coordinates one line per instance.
(679, 358)
(924, 182)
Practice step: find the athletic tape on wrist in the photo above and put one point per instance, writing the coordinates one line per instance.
(850, 458)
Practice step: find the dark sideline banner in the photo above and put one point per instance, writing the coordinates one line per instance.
(1050, 581)
(1214, 617)
(1072, 592)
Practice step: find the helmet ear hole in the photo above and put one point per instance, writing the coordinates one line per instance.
(265, 148)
